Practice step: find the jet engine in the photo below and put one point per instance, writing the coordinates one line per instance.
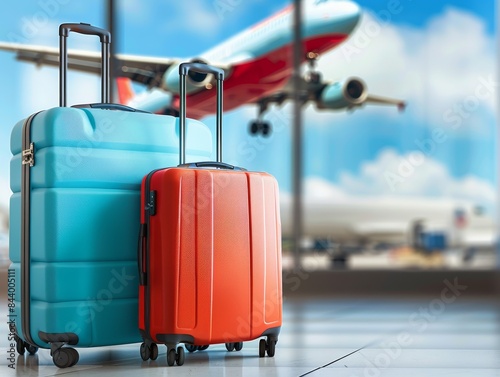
(348, 93)
(194, 82)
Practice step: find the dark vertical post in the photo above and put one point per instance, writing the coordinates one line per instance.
(297, 134)
(111, 14)
(497, 225)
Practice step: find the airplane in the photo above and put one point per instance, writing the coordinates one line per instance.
(257, 63)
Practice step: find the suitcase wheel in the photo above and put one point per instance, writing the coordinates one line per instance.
(22, 346)
(19, 345)
(175, 357)
(171, 356)
(65, 357)
(154, 351)
(262, 348)
(269, 346)
(149, 352)
(234, 346)
(31, 349)
(192, 348)
(145, 352)
(180, 356)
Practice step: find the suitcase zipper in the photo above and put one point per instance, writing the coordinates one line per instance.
(149, 210)
(28, 160)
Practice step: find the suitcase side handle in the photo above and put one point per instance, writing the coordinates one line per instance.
(218, 73)
(212, 164)
(88, 29)
(140, 254)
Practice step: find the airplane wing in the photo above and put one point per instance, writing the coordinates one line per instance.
(144, 70)
(377, 100)
(347, 94)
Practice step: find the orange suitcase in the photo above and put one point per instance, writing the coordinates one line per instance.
(209, 253)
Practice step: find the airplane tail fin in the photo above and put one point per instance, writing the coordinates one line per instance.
(125, 91)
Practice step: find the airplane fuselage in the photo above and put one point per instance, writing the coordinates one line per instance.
(262, 54)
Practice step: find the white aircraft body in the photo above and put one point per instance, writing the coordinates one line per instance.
(372, 220)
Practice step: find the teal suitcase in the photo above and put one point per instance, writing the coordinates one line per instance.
(74, 214)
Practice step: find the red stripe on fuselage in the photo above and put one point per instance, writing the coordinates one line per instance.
(257, 78)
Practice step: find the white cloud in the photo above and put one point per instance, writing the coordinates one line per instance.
(432, 69)
(137, 11)
(317, 188)
(200, 13)
(413, 174)
(429, 180)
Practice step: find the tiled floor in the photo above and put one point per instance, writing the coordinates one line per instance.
(324, 337)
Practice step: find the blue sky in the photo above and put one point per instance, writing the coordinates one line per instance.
(434, 56)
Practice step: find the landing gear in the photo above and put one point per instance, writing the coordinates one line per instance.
(311, 84)
(260, 127)
(312, 76)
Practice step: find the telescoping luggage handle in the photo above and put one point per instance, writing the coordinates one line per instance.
(88, 29)
(184, 69)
